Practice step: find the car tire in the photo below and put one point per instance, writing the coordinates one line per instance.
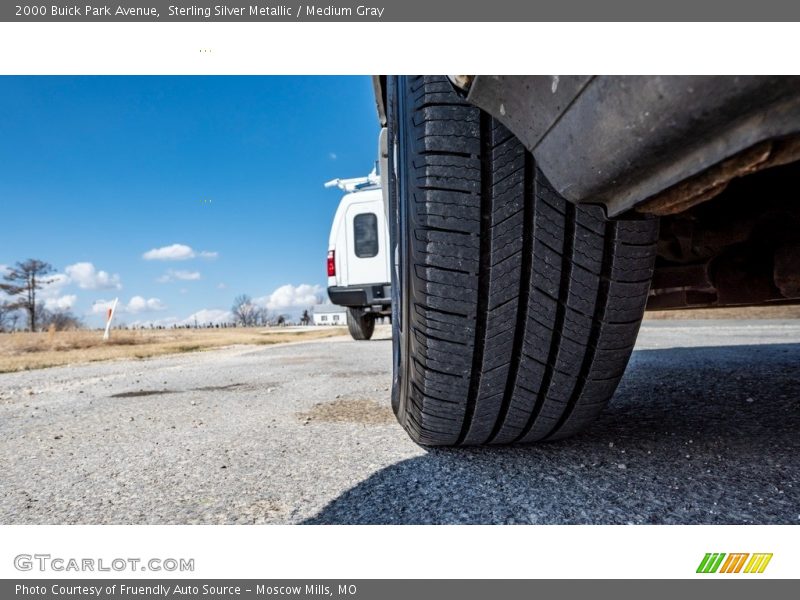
(515, 311)
(360, 323)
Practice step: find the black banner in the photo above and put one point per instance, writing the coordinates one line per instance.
(403, 10)
(401, 589)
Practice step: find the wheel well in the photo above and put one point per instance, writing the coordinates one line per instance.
(742, 247)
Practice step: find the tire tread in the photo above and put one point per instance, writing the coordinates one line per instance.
(523, 308)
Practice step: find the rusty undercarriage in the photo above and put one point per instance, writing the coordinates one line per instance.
(731, 235)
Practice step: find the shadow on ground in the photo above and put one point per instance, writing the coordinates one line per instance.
(693, 435)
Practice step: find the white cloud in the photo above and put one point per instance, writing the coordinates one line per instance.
(222, 286)
(177, 252)
(100, 307)
(65, 302)
(137, 304)
(186, 275)
(55, 288)
(208, 315)
(172, 275)
(288, 297)
(165, 322)
(173, 252)
(332, 155)
(87, 277)
(201, 317)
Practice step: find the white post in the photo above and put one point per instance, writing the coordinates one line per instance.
(108, 320)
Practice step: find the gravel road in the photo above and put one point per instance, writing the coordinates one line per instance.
(705, 428)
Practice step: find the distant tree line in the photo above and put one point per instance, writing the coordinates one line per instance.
(21, 284)
(247, 313)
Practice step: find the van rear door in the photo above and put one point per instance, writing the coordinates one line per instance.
(367, 234)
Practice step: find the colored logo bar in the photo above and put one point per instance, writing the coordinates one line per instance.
(737, 562)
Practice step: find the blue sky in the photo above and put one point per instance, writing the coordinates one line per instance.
(222, 175)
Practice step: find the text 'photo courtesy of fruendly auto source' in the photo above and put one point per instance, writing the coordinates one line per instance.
(446, 299)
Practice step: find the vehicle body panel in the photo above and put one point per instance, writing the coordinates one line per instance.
(620, 140)
(362, 272)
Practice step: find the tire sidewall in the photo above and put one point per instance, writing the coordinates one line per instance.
(398, 237)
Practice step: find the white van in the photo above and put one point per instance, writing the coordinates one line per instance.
(358, 255)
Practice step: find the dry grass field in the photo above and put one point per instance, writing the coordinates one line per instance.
(21, 351)
(739, 312)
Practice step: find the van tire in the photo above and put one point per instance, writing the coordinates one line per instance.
(517, 311)
(360, 323)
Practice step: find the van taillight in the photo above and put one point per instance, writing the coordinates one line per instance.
(331, 263)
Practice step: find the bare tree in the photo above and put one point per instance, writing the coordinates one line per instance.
(306, 318)
(245, 313)
(60, 320)
(261, 316)
(23, 281)
(5, 315)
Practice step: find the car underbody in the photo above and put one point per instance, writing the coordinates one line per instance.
(533, 220)
(715, 157)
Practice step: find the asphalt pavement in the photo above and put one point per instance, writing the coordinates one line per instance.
(703, 429)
